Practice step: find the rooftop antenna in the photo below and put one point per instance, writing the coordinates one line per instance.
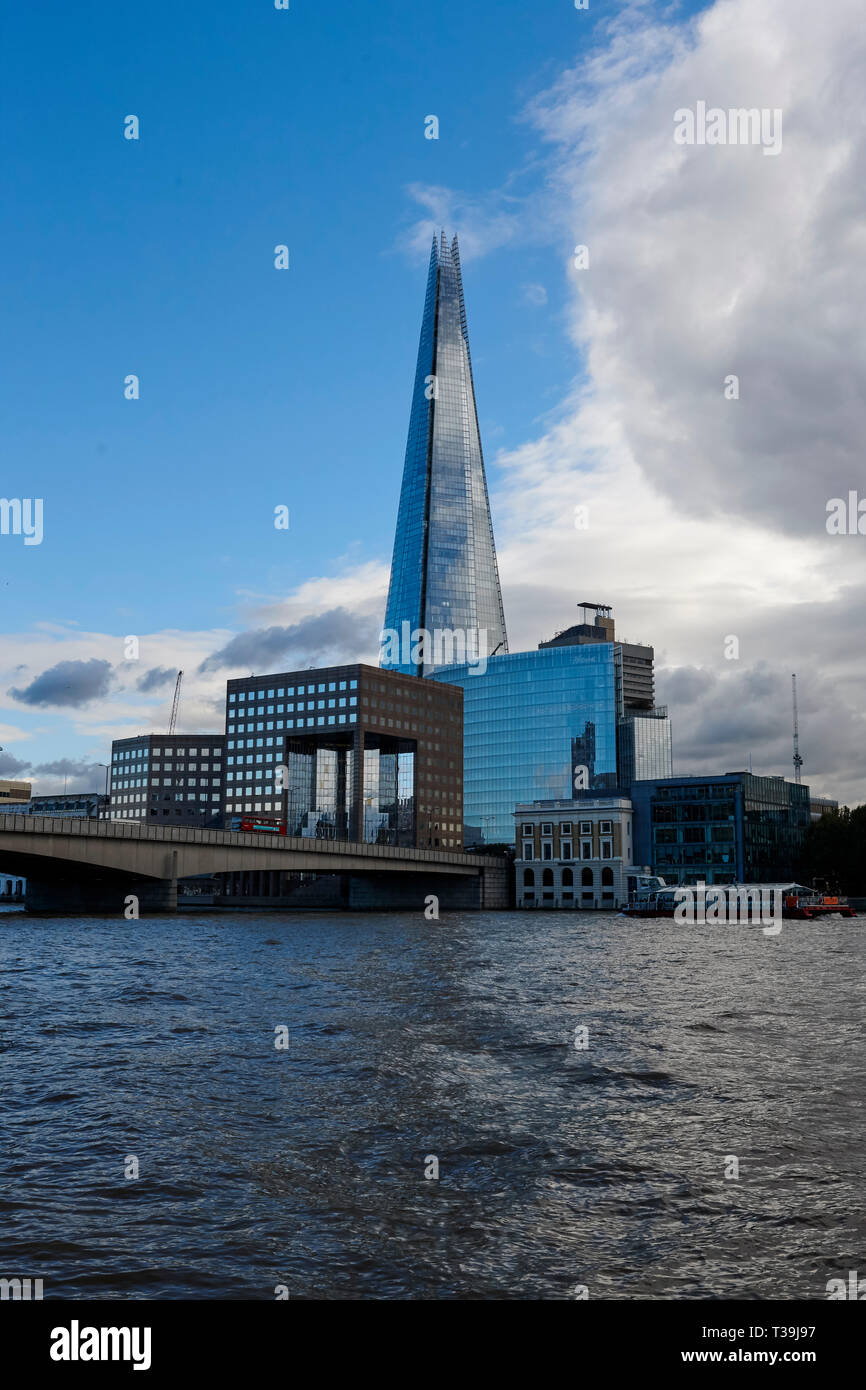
(174, 704)
(798, 761)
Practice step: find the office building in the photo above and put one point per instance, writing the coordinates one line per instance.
(821, 806)
(573, 853)
(348, 753)
(633, 662)
(444, 576)
(534, 723)
(728, 828)
(174, 779)
(17, 792)
(643, 728)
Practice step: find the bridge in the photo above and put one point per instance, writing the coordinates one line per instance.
(83, 865)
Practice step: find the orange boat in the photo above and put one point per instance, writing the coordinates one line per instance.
(806, 903)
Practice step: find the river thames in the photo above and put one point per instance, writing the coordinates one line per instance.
(299, 1170)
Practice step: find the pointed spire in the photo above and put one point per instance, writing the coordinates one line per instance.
(444, 575)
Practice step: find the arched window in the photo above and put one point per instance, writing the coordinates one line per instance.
(528, 878)
(607, 878)
(586, 878)
(567, 878)
(547, 878)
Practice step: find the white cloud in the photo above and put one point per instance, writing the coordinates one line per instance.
(535, 294)
(88, 731)
(482, 225)
(707, 516)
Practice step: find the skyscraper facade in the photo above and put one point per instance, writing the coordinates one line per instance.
(535, 724)
(643, 734)
(444, 576)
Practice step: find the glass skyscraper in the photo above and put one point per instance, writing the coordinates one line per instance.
(443, 574)
(530, 721)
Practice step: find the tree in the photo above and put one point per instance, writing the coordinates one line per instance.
(834, 849)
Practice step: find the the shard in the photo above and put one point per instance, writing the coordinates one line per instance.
(444, 577)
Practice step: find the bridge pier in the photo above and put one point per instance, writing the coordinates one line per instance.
(103, 893)
(81, 897)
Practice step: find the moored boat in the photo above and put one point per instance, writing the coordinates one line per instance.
(650, 896)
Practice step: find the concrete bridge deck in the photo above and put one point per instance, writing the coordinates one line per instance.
(75, 864)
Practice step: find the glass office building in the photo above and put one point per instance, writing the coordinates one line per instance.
(529, 721)
(731, 828)
(444, 576)
(644, 746)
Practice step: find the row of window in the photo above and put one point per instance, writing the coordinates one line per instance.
(701, 793)
(587, 878)
(123, 776)
(131, 798)
(248, 696)
(605, 827)
(176, 780)
(342, 702)
(137, 754)
(565, 849)
(251, 727)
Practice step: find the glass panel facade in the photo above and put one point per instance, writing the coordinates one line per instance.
(389, 794)
(644, 747)
(319, 793)
(527, 722)
(737, 828)
(444, 575)
(319, 790)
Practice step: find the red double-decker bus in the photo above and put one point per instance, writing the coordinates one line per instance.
(264, 825)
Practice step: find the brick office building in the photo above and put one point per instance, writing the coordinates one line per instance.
(348, 753)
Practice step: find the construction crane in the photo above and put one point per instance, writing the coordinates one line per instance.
(175, 702)
(798, 761)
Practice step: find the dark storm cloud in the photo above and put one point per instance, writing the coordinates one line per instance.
(11, 767)
(743, 712)
(338, 633)
(70, 683)
(683, 685)
(155, 679)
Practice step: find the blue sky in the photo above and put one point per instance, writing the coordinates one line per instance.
(155, 257)
(261, 387)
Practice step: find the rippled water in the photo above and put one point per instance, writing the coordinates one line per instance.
(410, 1038)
